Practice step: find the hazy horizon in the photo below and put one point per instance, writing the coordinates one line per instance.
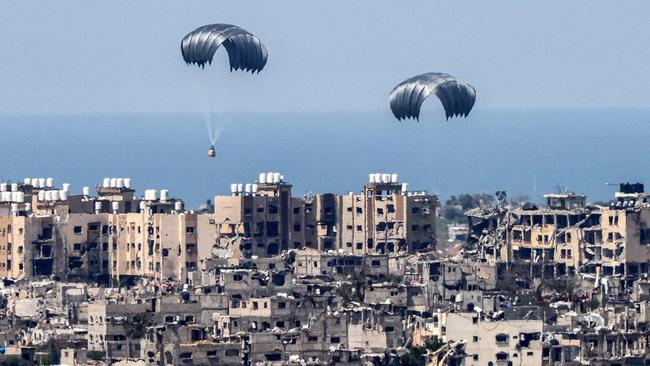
(334, 152)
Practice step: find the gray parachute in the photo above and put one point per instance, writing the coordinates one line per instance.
(245, 51)
(457, 96)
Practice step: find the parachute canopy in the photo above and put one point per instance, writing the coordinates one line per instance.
(245, 51)
(457, 96)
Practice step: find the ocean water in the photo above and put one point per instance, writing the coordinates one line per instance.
(527, 152)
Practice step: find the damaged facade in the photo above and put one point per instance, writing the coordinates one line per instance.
(268, 278)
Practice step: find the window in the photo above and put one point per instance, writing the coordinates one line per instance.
(77, 247)
(359, 210)
(390, 208)
(232, 353)
(415, 210)
(380, 211)
(77, 230)
(502, 338)
(475, 338)
(359, 228)
(296, 210)
(375, 263)
(296, 227)
(190, 229)
(359, 246)
(93, 227)
(335, 340)
(312, 339)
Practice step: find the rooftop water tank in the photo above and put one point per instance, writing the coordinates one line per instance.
(85, 191)
(63, 195)
(405, 187)
(113, 182)
(35, 182)
(27, 181)
(66, 187)
(262, 178)
(269, 177)
(233, 188)
(178, 206)
(98, 206)
(49, 182)
(20, 198)
(127, 183)
(55, 195)
(371, 178)
(240, 187)
(115, 206)
(41, 196)
(120, 183)
(143, 205)
(393, 178)
(41, 183)
(248, 188)
(254, 188)
(48, 196)
(276, 178)
(28, 207)
(14, 187)
(3, 187)
(164, 195)
(106, 183)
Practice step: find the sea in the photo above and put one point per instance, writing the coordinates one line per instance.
(526, 152)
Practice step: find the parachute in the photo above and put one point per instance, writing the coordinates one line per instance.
(457, 96)
(245, 51)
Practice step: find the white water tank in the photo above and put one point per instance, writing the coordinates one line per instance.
(143, 205)
(27, 181)
(262, 178)
(240, 187)
(5, 196)
(63, 195)
(178, 206)
(164, 195)
(66, 187)
(115, 206)
(20, 197)
(41, 196)
(233, 188)
(254, 188)
(14, 209)
(3, 187)
(276, 178)
(49, 182)
(405, 187)
(113, 182)
(13, 196)
(393, 178)
(55, 195)
(127, 183)
(41, 182)
(48, 196)
(106, 183)
(14, 187)
(371, 178)
(85, 191)
(269, 177)
(28, 207)
(248, 188)
(98, 206)
(385, 178)
(119, 183)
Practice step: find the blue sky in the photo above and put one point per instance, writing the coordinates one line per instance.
(123, 56)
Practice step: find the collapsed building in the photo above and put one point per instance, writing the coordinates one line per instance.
(263, 277)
